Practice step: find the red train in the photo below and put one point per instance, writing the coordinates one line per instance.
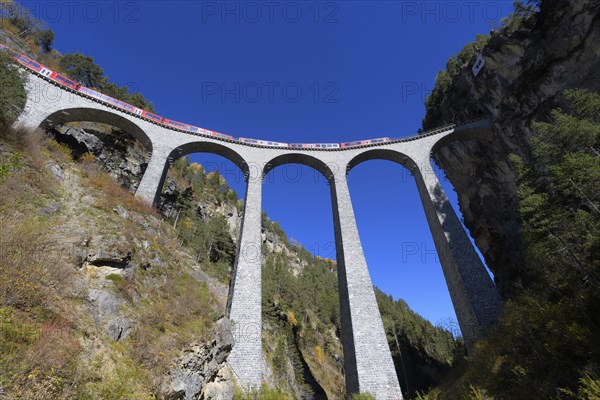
(71, 84)
(29, 63)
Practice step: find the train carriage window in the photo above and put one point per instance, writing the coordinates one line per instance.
(65, 80)
(92, 93)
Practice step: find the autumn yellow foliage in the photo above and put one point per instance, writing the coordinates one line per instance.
(292, 318)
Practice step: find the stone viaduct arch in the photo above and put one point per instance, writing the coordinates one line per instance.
(96, 115)
(368, 362)
(300, 158)
(198, 147)
(472, 291)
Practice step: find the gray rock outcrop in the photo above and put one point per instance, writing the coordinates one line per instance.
(521, 81)
(200, 372)
(116, 152)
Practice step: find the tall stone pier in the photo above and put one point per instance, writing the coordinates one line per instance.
(368, 363)
(476, 301)
(244, 303)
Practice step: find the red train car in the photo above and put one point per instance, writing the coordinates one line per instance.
(148, 115)
(41, 69)
(107, 99)
(55, 76)
(181, 125)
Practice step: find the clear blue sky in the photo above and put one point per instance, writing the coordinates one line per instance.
(302, 71)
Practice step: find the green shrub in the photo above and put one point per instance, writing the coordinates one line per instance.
(115, 278)
(363, 396)
(433, 394)
(12, 92)
(589, 388)
(265, 393)
(127, 381)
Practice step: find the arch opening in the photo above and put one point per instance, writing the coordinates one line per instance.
(324, 169)
(78, 114)
(404, 264)
(116, 144)
(479, 133)
(202, 196)
(299, 279)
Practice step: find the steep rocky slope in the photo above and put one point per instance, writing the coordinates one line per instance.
(98, 298)
(524, 74)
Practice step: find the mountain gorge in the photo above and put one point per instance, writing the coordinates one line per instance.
(145, 312)
(104, 297)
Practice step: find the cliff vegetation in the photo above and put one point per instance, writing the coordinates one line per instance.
(530, 198)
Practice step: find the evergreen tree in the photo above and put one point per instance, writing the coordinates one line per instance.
(546, 345)
(46, 38)
(83, 69)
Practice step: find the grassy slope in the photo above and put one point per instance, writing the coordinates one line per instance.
(50, 343)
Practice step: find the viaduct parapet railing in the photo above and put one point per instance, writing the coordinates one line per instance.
(368, 363)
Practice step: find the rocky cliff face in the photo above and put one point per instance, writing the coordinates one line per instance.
(115, 151)
(521, 81)
(124, 310)
(200, 371)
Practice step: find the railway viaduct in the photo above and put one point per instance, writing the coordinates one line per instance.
(367, 359)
